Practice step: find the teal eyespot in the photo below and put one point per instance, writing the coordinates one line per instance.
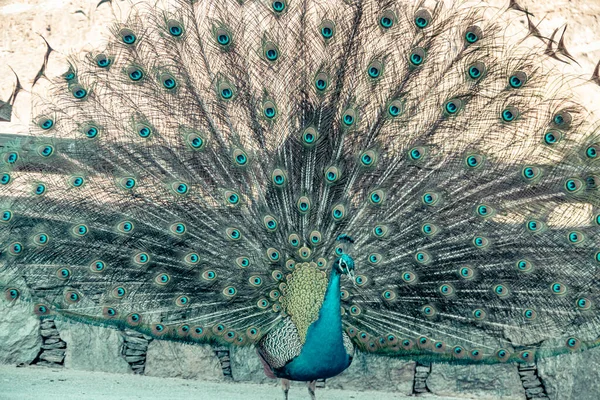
(473, 34)
(6, 216)
(63, 273)
(76, 181)
(229, 291)
(395, 108)
(446, 290)
(417, 153)
(141, 258)
(573, 343)
(135, 73)
(479, 314)
(127, 36)
(182, 301)
(102, 60)
(255, 280)
(501, 290)
(573, 185)
(422, 18)
(321, 82)
(223, 39)
(552, 137)
(509, 114)
(375, 69)
(242, 262)
(524, 266)
(209, 275)
(575, 237)
(5, 178)
(175, 28)
(192, 258)
(592, 151)
(517, 80)
(484, 210)
(377, 197)
(11, 157)
(380, 231)
(98, 266)
(233, 234)
(309, 137)
(271, 52)
(278, 6)
(41, 309)
(232, 197)
(15, 248)
(46, 123)
(429, 311)
(162, 279)
(327, 29)
(127, 183)
(11, 294)
(240, 158)
(315, 237)
(332, 174)
(303, 204)
(368, 158)
(429, 229)
(387, 19)
(178, 228)
(181, 187)
(349, 118)
(269, 110)
(430, 198)
(452, 106)
(466, 272)
(422, 257)
(375, 258)
(529, 314)
(168, 81)
(90, 131)
(270, 223)
(474, 161)
(46, 150)
(40, 189)
(144, 131)
(558, 288)
(531, 173)
(41, 239)
(134, 318)
(78, 92)
(72, 297)
(80, 230)
(480, 242)
(273, 254)
(338, 212)
(584, 304)
(476, 70)
(417, 57)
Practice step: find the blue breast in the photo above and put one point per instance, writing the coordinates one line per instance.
(323, 354)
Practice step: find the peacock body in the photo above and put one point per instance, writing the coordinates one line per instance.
(310, 177)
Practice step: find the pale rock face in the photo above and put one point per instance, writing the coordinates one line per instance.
(171, 359)
(92, 348)
(20, 338)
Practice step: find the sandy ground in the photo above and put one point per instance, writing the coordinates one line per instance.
(62, 384)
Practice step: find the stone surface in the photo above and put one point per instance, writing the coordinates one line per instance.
(92, 348)
(572, 376)
(20, 338)
(370, 372)
(499, 381)
(173, 359)
(246, 366)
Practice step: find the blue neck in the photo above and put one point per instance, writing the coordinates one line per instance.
(323, 354)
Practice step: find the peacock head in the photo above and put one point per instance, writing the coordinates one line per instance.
(345, 265)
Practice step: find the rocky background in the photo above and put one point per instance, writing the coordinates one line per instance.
(74, 26)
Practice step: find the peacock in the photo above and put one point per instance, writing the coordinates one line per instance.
(313, 178)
